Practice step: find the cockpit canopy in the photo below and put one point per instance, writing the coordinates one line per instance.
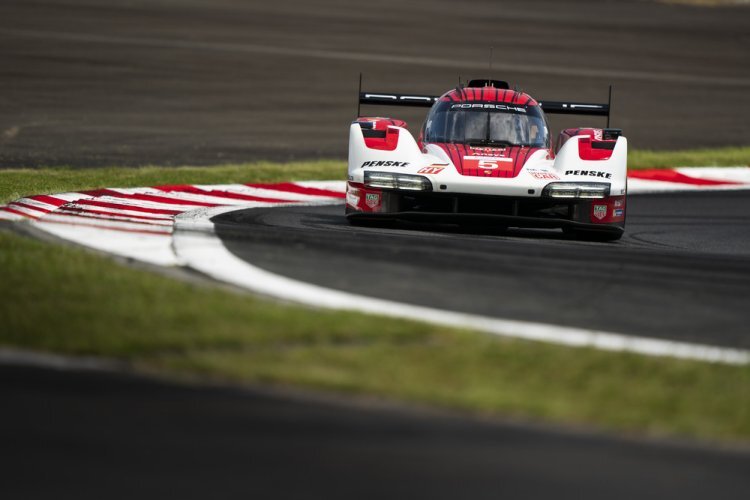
(487, 124)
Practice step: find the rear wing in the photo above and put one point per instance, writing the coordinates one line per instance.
(426, 101)
(388, 99)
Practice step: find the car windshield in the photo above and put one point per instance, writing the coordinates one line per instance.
(487, 124)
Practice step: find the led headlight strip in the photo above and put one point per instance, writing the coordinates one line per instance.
(588, 190)
(389, 180)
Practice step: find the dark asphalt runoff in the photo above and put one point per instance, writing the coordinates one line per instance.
(85, 435)
(682, 270)
(97, 82)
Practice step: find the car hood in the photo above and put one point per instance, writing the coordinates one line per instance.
(488, 161)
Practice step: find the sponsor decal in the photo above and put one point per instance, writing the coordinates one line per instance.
(352, 199)
(430, 170)
(600, 211)
(543, 174)
(589, 173)
(489, 163)
(487, 151)
(618, 212)
(384, 164)
(597, 134)
(619, 203)
(372, 200)
(476, 105)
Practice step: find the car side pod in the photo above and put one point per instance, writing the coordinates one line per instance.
(597, 186)
(405, 154)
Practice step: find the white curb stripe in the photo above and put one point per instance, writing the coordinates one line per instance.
(78, 220)
(10, 216)
(45, 207)
(729, 174)
(113, 217)
(115, 211)
(155, 246)
(268, 192)
(31, 212)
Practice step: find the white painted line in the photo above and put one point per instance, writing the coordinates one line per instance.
(197, 246)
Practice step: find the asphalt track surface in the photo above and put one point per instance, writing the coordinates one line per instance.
(681, 272)
(96, 82)
(81, 435)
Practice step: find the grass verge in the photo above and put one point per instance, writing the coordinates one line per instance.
(723, 157)
(70, 301)
(15, 183)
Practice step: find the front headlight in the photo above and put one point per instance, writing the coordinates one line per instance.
(588, 190)
(388, 180)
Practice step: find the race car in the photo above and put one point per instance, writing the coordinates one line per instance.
(484, 157)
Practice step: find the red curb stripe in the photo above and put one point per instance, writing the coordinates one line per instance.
(149, 197)
(76, 209)
(122, 206)
(31, 207)
(49, 200)
(677, 177)
(220, 194)
(113, 228)
(17, 212)
(289, 187)
(130, 219)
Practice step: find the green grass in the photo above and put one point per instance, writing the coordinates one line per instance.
(723, 157)
(67, 300)
(16, 183)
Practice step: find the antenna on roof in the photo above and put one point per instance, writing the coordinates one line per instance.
(490, 61)
(609, 104)
(359, 104)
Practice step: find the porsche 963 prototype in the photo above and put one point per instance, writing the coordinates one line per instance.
(484, 156)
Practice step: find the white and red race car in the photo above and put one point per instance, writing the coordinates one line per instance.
(484, 156)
